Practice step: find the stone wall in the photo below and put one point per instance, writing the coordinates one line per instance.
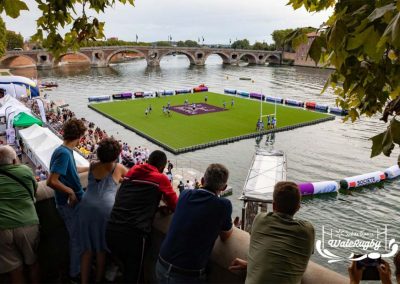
(54, 248)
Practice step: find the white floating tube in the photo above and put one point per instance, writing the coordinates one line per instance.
(392, 172)
(312, 188)
(362, 180)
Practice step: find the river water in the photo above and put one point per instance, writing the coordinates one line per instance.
(327, 151)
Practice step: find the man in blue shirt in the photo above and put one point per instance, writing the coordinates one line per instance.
(64, 179)
(185, 251)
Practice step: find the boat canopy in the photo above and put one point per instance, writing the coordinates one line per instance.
(268, 168)
(18, 86)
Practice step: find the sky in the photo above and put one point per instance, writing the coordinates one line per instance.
(218, 21)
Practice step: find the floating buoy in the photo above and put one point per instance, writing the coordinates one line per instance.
(183, 91)
(148, 94)
(392, 172)
(274, 99)
(321, 108)
(122, 96)
(257, 96)
(310, 105)
(338, 110)
(243, 93)
(362, 180)
(312, 188)
(230, 91)
(139, 94)
(99, 98)
(291, 102)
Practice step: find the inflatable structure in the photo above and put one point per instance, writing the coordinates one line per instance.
(122, 96)
(274, 99)
(311, 188)
(257, 96)
(243, 93)
(99, 98)
(183, 91)
(295, 103)
(230, 91)
(18, 86)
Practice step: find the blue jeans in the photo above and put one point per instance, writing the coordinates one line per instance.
(165, 276)
(69, 215)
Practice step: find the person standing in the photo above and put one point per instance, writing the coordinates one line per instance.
(205, 99)
(278, 240)
(181, 187)
(19, 223)
(68, 192)
(134, 209)
(170, 166)
(96, 205)
(232, 103)
(224, 104)
(180, 261)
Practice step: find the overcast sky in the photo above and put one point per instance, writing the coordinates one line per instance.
(215, 20)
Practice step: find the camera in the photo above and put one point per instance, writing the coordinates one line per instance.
(370, 267)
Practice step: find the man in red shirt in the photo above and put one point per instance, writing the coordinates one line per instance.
(132, 216)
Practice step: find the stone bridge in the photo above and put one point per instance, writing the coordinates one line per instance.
(101, 56)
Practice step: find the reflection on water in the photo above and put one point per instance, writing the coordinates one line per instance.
(328, 151)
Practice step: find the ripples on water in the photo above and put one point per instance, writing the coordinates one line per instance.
(328, 151)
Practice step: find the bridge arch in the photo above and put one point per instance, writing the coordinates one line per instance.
(189, 55)
(252, 58)
(80, 54)
(123, 50)
(7, 60)
(225, 57)
(273, 58)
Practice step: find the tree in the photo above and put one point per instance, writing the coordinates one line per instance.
(263, 46)
(279, 37)
(163, 43)
(191, 43)
(241, 44)
(57, 15)
(362, 41)
(2, 37)
(14, 40)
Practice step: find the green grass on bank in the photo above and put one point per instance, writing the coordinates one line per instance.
(179, 131)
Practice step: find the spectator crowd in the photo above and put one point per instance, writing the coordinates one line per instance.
(115, 213)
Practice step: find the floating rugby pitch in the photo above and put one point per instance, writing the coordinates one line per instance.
(179, 132)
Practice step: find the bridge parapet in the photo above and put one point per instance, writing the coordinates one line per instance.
(100, 56)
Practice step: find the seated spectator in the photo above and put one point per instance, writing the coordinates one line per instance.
(279, 241)
(200, 217)
(19, 223)
(96, 205)
(134, 209)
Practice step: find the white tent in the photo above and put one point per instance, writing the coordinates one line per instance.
(17, 86)
(40, 143)
(267, 169)
(12, 105)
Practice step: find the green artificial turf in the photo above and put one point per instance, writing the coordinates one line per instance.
(179, 131)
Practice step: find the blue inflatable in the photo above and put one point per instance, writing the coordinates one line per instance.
(338, 111)
(230, 91)
(25, 86)
(99, 98)
(321, 108)
(274, 99)
(295, 103)
(183, 91)
(243, 93)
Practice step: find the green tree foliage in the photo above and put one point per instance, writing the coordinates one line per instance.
(59, 14)
(187, 43)
(279, 37)
(14, 40)
(263, 46)
(2, 37)
(162, 43)
(241, 44)
(361, 40)
(113, 42)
